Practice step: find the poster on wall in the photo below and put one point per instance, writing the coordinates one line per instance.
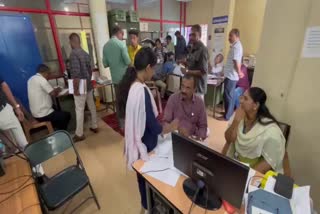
(311, 47)
(219, 28)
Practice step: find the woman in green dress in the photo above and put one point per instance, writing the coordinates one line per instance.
(253, 135)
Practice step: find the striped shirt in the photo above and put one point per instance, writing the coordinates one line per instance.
(80, 66)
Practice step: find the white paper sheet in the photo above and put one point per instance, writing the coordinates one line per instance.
(169, 175)
(82, 86)
(256, 210)
(63, 92)
(300, 201)
(311, 47)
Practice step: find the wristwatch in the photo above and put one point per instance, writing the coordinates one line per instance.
(17, 106)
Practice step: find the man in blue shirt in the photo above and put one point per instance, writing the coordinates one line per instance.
(169, 65)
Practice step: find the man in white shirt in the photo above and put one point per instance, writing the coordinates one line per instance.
(40, 94)
(232, 72)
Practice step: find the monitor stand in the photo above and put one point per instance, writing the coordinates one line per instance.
(207, 201)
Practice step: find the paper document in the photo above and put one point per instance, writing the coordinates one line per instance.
(300, 201)
(161, 168)
(63, 92)
(311, 46)
(82, 86)
(256, 210)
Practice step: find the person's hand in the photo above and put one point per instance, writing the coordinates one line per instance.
(239, 114)
(241, 74)
(19, 114)
(183, 132)
(174, 124)
(183, 70)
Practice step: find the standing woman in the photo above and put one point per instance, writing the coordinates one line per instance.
(254, 136)
(136, 103)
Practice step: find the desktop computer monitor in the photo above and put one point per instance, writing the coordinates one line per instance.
(212, 176)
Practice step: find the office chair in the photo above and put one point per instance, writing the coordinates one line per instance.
(67, 183)
(285, 128)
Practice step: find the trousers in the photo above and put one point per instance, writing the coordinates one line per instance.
(80, 103)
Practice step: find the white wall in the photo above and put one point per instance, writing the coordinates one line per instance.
(292, 84)
(248, 18)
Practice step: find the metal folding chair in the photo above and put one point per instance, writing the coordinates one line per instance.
(67, 183)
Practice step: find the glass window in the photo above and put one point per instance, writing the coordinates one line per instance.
(47, 48)
(170, 29)
(36, 4)
(171, 10)
(153, 31)
(149, 9)
(120, 4)
(70, 6)
(63, 21)
(85, 22)
(74, 24)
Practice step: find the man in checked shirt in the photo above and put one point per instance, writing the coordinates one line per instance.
(80, 68)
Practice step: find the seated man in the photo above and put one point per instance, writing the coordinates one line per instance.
(189, 109)
(169, 65)
(40, 101)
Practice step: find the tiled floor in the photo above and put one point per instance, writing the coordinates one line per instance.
(116, 188)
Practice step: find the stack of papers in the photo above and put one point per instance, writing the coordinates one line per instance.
(82, 86)
(160, 165)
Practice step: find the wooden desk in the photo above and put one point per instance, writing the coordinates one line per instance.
(175, 196)
(217, 85)
(25, 201)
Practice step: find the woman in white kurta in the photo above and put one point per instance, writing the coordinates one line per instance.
(253, 136)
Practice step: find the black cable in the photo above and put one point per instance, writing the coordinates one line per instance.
(161, 170)
(22, 211)
(4, 193)
(194, 199)
(206, 208)
(21, 176)
(15, 193)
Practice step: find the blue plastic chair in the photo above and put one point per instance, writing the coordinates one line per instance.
(63, 186)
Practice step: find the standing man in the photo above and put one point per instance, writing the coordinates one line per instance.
(197, 62)
(232, 72)
(115, 56)
(80, 68)
(181, 47)
(40, 94)
(134, 46)
(170, 45)
(10, 117)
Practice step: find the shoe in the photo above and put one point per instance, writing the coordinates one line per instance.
(96, 130)
(77, 138)
(42, 179)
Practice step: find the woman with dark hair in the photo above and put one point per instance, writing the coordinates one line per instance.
(138, 107)
(160, 77)
(253, 136)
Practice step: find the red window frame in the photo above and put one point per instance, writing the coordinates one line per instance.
(51, 13)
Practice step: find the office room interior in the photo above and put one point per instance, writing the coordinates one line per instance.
(123, 106)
